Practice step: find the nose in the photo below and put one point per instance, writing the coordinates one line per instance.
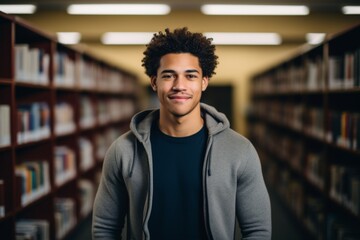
(179, 84)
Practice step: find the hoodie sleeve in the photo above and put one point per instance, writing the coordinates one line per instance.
(253, 204)
(111, 201)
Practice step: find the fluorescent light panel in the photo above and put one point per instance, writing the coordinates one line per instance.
(219, 38)
(315, 38)
(239, 9)
(119, 9)
(69, 37)
(226, 38)
(126, 38)
(18, 8)
(351, 10)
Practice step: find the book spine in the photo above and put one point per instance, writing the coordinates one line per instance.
(4, 125)
(2, 198)
(33, 122)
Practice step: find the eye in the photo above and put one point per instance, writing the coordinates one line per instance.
(191, 76)
(168, 76)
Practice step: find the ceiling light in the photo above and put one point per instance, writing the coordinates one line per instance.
(315, 38)
(68, 37)
(351, 10)
(18, 8)
(232, 9)
(119, 9)
(126, 38)
(226, 38)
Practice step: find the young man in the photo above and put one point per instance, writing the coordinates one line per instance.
(181, 172)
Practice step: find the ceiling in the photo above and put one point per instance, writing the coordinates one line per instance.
(315, 5)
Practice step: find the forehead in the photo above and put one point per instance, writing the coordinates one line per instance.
(179, 61)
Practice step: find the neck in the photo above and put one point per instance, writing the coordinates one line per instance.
(180, 126)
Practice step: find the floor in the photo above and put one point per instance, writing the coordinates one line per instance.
(283, 227)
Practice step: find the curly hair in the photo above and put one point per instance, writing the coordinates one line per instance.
(180, 41)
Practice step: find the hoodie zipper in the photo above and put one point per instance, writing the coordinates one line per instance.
(147, 213)
(206, 174)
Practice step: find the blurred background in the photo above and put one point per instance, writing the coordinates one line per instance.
(273, 90)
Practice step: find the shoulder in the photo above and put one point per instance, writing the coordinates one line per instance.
(231, 138)
(121, 148)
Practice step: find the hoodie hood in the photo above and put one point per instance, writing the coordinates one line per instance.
(140, 124)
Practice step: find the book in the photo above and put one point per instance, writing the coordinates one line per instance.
(2, 198)
(87, 159)
(5, 138)
(87, 113)
(65, 164)
(64, 118)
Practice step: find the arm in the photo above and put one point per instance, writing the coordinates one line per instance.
(252, 200)
(111, 201)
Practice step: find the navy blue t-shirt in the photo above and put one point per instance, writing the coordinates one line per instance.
(177, 208)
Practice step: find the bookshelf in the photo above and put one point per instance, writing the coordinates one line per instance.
(305, 122)
(60, 109)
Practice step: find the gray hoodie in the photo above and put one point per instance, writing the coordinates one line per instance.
(232, 181)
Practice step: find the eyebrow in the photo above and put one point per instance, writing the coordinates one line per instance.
(173, 71)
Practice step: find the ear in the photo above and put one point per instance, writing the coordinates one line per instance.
(153, 83)
(204, 83)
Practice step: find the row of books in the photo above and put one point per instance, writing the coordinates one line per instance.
(32, 229)
(86, 196)
(345, 187)
(32, 180)
(65, 164)
(344, 129)
(340, 127)
(33, 122)
(31, 64)
(5, 138)
(74, 71)
(110, 110)
(2, 198)
(343, 73)
(285, 113)
(292, 115)
(344, 70)
(65, 216)
(304, 75)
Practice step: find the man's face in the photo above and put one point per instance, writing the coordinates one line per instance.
(179, 84)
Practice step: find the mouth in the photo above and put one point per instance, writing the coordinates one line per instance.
(180, 98)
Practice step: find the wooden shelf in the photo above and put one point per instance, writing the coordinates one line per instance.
(35, 106)
(331, 110)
